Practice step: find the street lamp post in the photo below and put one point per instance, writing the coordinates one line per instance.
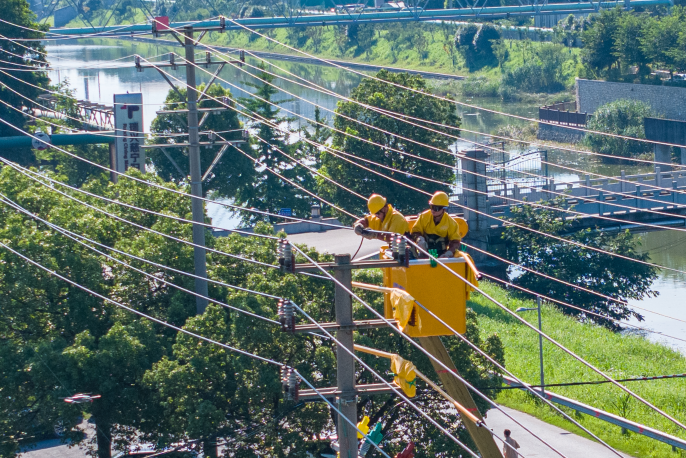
(540, 336)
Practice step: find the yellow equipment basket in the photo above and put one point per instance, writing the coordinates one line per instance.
(436, 289)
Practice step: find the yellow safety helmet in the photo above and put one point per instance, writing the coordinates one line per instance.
(440, 198)
(376, 203)
(462, 226)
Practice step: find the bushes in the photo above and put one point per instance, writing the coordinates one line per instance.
(542, 70)
(479, 86)
(475, 43)
(623, 117)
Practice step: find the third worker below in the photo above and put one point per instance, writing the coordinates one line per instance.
(383, 217)
(436, 230)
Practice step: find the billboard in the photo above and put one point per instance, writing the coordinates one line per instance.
(128, 125)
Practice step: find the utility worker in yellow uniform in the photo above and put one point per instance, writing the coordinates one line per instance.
(436, 230)
(382, 217)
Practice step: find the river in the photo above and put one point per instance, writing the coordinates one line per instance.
(78, 60)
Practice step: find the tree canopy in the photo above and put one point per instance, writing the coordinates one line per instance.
(388, 97)
(582, 266)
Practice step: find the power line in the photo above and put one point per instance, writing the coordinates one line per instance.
(178, 329)
(328, 62)
(550, 339)
(595, 382)
(429, 355)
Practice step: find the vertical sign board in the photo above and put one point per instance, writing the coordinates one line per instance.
(128, 124)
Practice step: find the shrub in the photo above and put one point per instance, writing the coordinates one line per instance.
(479, 86)
(622, 117)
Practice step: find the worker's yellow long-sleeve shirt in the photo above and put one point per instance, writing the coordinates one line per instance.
(393, 222)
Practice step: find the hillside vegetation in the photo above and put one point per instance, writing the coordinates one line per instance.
(621, 355)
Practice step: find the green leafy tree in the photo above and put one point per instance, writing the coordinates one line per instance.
(660, 40)
(475, 43)
(19, 54)
(628, 37)
(618, 278)
(391, 98)
(233, 171)
(267, 191)
(621, 117)
(598, 52)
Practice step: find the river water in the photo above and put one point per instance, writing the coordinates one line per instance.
(95, 60)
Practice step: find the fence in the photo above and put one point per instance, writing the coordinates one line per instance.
(563, 117)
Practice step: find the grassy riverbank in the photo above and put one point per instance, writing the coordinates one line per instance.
(619, 355)
(413, 46)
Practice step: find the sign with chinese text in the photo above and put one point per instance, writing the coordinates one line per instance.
(128, 124)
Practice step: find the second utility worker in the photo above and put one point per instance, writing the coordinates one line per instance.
(382, 217)
(436, 230)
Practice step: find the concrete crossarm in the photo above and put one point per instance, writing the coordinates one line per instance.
(638, 428)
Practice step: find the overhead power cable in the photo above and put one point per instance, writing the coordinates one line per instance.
(445, 151)
(37, 177)
(571, 285)
(432, 357)
(184, 331)
(171, 237)
(80, 240)
(439, 163)
(476, 107)
(155, 185)
(544, 335)
(404, 117)
(595, 382)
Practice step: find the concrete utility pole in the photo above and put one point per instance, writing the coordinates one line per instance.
(347, 400)
(199, 256)
(457, 390)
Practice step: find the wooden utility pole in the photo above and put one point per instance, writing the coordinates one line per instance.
(456, 389)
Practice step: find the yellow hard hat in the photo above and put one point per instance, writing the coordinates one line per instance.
(440, 198)
(376, 203)
(462, 226)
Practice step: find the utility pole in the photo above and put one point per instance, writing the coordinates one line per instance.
(345, 371)
(540, 342)
(199, 256)
(192, 99)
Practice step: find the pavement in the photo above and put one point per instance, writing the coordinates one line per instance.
(338, 241)
(569, 444)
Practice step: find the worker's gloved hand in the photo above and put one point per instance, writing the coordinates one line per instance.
(447, 254)
(359, 229)
(368, 235)
(421, 241)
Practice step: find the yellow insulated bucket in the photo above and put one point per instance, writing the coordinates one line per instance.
(436, 289)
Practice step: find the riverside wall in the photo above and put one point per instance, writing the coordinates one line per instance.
(667, 101)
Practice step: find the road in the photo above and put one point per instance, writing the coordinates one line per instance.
(569, 444)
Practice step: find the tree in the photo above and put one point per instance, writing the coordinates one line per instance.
(660, 40)
(621, 117)
(542, 71)
(628, 37)
(385, 96)
(618, 278)
(475, 43)
(598, 52)
(18, 54)
(267, 191)
(61, 340)
(233, 171)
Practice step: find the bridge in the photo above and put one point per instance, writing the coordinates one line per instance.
(298, 18)
(630, 201)
(94, 116)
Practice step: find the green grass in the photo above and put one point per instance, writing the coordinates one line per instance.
(619, 355)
